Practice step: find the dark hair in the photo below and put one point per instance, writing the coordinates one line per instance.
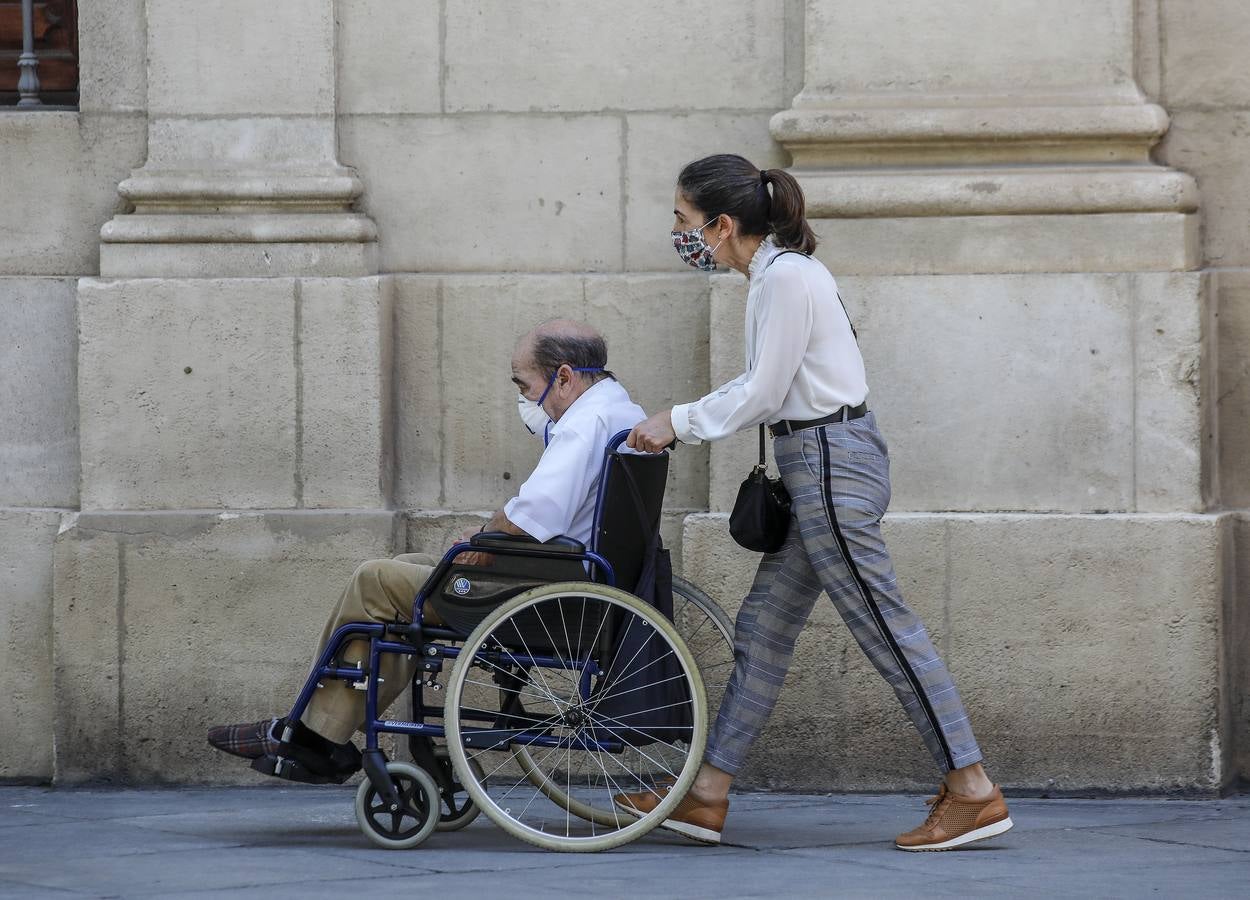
(553, 350)
(728, 184)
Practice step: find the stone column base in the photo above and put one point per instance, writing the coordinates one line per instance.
(1088, 650)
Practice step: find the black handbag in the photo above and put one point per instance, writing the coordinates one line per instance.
(761, 517)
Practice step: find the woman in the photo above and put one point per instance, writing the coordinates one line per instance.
(805, 377)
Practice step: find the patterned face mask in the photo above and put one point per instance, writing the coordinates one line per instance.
(693, 249)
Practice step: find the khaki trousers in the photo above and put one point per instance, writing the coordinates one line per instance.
(380, 590)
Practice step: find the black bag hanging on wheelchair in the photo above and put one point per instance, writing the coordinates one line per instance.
(644, 697)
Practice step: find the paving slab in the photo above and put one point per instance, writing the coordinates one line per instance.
(303, 842)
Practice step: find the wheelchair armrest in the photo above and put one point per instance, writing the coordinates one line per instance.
(501, 540)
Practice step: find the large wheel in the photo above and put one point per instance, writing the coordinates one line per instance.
(709, 636)
(561, 708)
(407, 826)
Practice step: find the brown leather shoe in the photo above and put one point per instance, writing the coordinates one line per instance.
(954, 821)
(693, 818)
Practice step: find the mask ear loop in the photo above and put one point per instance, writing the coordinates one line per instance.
(552, 380)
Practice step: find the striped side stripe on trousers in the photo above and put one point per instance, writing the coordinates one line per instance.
(838, 479)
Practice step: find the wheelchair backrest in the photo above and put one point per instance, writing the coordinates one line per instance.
(627, 512)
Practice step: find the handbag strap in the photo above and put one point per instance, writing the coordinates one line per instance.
(854, 333)
(763, 460)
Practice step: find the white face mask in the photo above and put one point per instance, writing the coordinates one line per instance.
(536, 421)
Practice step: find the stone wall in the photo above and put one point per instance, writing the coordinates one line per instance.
(262, 286)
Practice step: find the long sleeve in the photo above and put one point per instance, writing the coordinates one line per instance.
(782, 326)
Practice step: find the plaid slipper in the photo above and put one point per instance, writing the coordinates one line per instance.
(250, 741)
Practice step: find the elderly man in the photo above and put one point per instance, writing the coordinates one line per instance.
(569, 398)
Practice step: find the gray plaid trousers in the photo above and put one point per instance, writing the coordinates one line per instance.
(838, 477)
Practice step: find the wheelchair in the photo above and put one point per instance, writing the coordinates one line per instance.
(565, 687)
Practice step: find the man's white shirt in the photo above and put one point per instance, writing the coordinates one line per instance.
(559, 496)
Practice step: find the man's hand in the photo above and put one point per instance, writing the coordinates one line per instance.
(473, 558)
(654, 434)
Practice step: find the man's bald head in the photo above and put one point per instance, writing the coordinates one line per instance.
(552, 353)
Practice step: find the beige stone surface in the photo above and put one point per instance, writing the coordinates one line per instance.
(388, 56)
(978, 47)
(418, 391)
(345, 364)
(642, 55)
(446, 200)
(658, 146)
(154, 435)
(1236, 629)
(1115, 645)
(38, 393)
(1173, 384)
(1034, 392)
(223, 58)
(1212, 145)
(27, 705)
(59, 184)
(1066, 690)
(461, 444)
(1232, 296)
(1201, 48)
(985, 244)
(168, 623)
(112, 69)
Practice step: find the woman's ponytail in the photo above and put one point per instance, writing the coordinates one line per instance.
(788, 215)
(729, 184)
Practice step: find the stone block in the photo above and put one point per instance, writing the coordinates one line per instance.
(975, 48)
(1212, 145)
(554, 204)
(984, 244)
(28, 707)
(487, 453)
(112, 65)
(168, 623)
(39, 393)
(461, 445)
(615, 57)
(658, 145)
(418, 380)
(1087, 659)
(345, 363)
(388, 56)
(1173, 386)
(663, 362)
(60, 186)
(1236, 639)
(225, 59)
(205, 415)
(1015, 350)
(1201, 46)
(1232, 297)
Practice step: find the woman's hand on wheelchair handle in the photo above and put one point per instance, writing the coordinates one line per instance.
(653, 434)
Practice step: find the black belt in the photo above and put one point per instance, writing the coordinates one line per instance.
(844, 414)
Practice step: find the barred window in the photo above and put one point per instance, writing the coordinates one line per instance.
(54, 29)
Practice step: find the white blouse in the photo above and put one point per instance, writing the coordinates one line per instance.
(802, 359)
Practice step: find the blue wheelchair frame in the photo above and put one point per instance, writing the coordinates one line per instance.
(426, 641)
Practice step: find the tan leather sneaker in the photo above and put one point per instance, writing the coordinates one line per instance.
(954, 821)
(692, 818)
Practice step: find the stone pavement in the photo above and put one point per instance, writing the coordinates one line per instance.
(302, 842)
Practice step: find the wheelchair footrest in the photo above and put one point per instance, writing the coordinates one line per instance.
(294, 770)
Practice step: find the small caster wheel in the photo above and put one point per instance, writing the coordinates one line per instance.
(407, 826)
(457, 809)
